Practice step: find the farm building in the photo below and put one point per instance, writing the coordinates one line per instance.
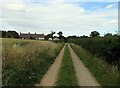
(32, 36)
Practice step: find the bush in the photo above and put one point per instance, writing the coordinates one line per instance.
(107, 47)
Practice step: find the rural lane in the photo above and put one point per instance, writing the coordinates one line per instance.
(50, 78)
(84, 76)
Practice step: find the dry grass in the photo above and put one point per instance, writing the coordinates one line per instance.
(22, 58)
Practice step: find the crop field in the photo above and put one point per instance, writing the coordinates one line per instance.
(24, 62)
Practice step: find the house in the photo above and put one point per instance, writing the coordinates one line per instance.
(32, 36)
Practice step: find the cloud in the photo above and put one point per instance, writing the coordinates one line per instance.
(81, 10)
(109, 6)
(113, 22)
(57, 15)
(4, 1)
(15, 6)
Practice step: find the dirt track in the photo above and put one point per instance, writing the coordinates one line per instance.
(84, 77)
(50, 78)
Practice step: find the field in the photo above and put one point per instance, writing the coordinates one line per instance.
(82, 62)
(24, 62)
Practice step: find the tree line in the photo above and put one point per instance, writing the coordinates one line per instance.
(14, 34)
(9, 34)
(60, 36)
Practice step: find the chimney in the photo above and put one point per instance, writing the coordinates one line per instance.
(29, 33)
(35, 32)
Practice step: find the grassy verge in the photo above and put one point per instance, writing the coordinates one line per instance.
(26, 61)
(67, 76)
(106, 75)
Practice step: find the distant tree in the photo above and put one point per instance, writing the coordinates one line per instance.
(2, 34)
(115, 35)
(50, 35)
(60, 35)
(84, 36)
(94, 34)
(46, 38)
(65, 39)
(73, 37)
(13, 33)
(55, 37)
(108, 35)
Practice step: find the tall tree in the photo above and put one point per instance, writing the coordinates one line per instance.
(52, 33)
(2, 34)
(60, 34)
(14, 34)
(108, 35)
(94, 34)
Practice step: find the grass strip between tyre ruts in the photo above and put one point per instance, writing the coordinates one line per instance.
(67, 76)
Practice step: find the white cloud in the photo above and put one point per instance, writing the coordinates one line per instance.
(71, 19)
(6, 1)
(111, 22)
(12, 5)
(81, 10)
(114, 21)
(109, 6)
(15, 6)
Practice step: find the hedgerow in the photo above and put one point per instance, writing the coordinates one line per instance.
(107, 48)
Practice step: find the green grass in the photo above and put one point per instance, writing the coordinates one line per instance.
(67, 76)
(26, 63)
(106, 75)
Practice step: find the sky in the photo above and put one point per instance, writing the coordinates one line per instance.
(71, 17)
